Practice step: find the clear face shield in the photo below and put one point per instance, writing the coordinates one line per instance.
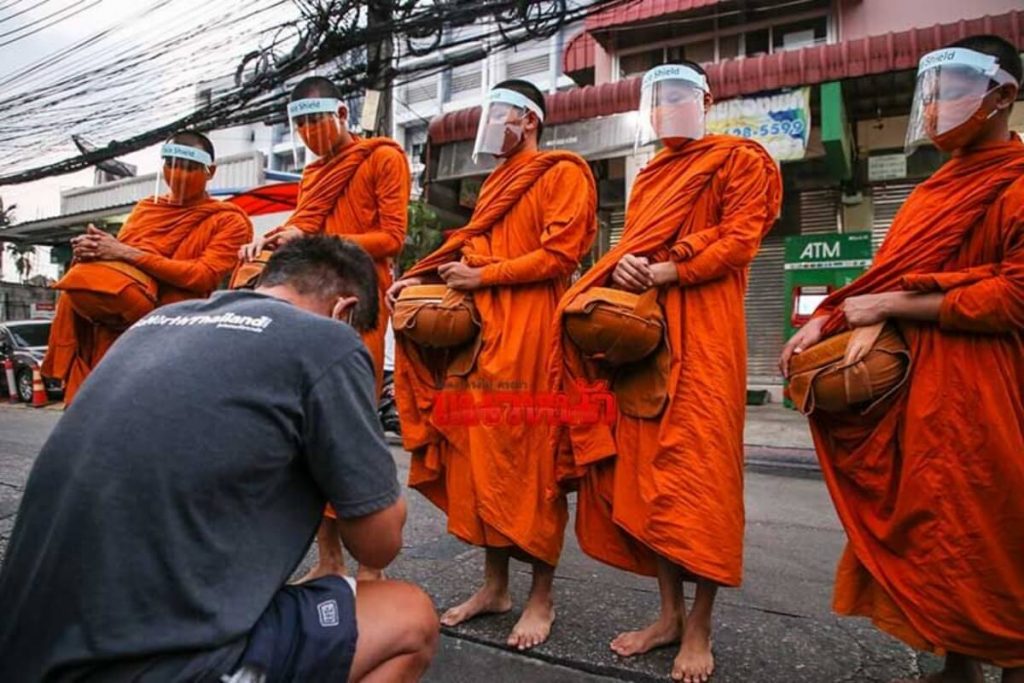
(182, 178)
(502, 122)
(671, 105)
(316, 128)
(949, 98)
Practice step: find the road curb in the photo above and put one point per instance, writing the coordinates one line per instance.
(798, 462)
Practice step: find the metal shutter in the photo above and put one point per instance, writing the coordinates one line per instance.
(465, 79)
(887, 199)
(421, 91)
(526, 67)
(819, 211)
(615, 228)
(766, 310)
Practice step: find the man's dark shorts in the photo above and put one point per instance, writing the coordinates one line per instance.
(307, 633)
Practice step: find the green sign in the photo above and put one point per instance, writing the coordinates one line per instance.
(817, 265)
(828, 251)
(835, 132)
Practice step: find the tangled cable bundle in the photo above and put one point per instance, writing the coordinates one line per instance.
(141, 77)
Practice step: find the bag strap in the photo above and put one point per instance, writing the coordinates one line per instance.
(647, 304)
(862, 338)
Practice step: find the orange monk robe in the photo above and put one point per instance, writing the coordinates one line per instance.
(533, 223)
(188, 251)
(361, 194)
(672, 485)
(928, 486)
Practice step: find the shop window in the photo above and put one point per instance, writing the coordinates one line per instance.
(701, 53)
(415, 142)
(729, 47)
(799, 34)
(757, 43)
(639, 62)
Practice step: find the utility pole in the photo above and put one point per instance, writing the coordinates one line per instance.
(377, 114)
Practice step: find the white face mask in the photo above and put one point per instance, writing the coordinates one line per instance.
(501, 138)
(503, 117)
(949, 104)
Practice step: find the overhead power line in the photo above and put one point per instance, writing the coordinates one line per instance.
(134, 82)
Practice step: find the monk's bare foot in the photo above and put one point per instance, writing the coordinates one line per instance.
(695, 662)
(324, 568)
(664, 631)
(534, 627)
(484, 601)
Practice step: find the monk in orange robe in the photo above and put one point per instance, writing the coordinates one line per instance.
(357, 189)
(661, 489)
(532, 224)
(928, 484)
(184, 240)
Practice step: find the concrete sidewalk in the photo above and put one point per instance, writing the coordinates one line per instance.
(777, 628)
(775, 439)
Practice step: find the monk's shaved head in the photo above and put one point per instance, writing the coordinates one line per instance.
(327, 268)
(313, 87)
(530, 91)
(1001, 49)
(194, 138)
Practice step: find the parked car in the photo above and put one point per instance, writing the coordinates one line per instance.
(24, 341)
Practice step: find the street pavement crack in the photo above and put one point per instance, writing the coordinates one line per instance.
(621, 674)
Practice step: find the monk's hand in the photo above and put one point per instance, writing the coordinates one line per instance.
(84, 245)
(806, 337)
(868, 309)
(458, 275)
(250, 251)
(664, 273)
(393, 291)
(633, 273)
(97, 245)
(81, 246)
(283, 237)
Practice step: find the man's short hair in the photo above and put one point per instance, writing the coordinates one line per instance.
(193, 138)
(328, 268)
(315, 86)
(1001, 49)
(531, 91)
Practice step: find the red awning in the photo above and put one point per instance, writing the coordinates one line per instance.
(735, 77)
(268, 199)
(642, 10)
(579, 53)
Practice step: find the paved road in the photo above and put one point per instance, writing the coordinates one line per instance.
(778, 627)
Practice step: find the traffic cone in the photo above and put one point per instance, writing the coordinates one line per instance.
(12, 387)
(39, 398)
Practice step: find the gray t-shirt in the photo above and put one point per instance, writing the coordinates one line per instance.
(183, 486)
